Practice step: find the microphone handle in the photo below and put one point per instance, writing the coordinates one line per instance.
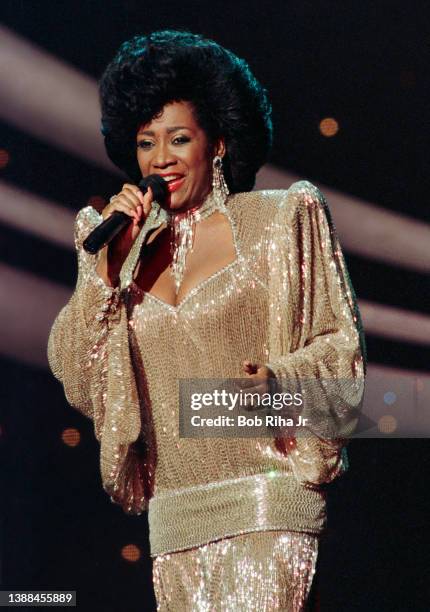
(110, 227)
(106, 231)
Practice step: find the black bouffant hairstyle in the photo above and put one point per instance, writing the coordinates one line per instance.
(166, 66)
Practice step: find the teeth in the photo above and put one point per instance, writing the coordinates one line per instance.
(171, 177)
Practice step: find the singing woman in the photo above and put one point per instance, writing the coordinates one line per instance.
(217, 281)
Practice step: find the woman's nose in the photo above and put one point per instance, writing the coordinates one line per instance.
(162, 156)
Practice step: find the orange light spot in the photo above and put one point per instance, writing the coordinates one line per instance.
(130, 552)
(71, 436)
(329, 127)
(387, 423)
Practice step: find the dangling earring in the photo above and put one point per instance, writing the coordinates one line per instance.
(219, 186)
(183, 224)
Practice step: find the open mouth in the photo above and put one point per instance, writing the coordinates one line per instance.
(174, 181)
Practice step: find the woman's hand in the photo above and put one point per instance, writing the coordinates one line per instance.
(132, 202)
(258, 378)
(284, 443)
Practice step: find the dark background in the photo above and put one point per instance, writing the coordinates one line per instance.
(365, 63)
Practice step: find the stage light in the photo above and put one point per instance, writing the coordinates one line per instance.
(131, 552)
(50, 99)
(363, 228)
(389, 398)
(36, 215)
(71, 436)
(395, 323)
(387, 424)
(329, 127)
(70, 119)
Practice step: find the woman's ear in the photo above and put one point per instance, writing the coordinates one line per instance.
(220, 148)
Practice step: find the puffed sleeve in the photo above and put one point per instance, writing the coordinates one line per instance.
(77, 341)
(88, 353)
(316, 337)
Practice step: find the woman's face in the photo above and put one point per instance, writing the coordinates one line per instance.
(174, 146)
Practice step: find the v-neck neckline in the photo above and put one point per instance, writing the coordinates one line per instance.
(196, 289)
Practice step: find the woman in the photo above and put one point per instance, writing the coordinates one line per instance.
(217, 282)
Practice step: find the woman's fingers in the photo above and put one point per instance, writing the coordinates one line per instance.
(255, 381)
(130, 195)
(120, 206)
(141, 202)
(147, 200)
(250, 367)
(131, 201)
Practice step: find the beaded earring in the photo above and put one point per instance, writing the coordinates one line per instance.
(219, 186)
(183, 224)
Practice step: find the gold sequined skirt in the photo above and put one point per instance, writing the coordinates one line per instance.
(262, 571)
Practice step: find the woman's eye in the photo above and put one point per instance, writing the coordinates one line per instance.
(147, 144)
(181, 140)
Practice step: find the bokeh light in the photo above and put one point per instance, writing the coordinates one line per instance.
(71, 436)
(387, 424)
(329, 127)
(131, 552)
(390, 397)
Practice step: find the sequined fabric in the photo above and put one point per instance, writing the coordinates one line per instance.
(260, 572)
(286, 301)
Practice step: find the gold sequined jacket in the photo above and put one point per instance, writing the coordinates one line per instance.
(285, 301)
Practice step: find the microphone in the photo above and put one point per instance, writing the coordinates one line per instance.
(110, 227)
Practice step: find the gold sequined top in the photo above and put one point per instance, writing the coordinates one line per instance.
(286, 301)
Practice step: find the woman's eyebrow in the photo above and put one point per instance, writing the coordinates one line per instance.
(169, 130)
